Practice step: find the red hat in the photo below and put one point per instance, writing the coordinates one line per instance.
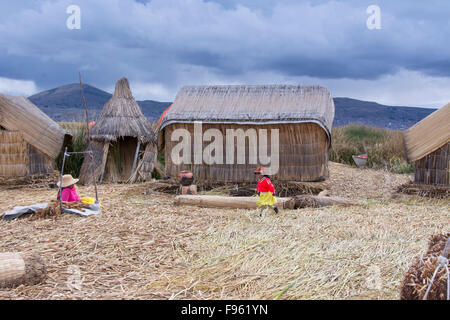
(260, 170)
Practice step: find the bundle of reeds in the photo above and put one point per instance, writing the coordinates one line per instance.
(19, 268)
(425, 190)
(166, 188)
(53, 210)
(294, 188)
(283, 189)
(32, 181)
(418, 277)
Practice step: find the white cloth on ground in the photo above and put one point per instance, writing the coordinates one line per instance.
(18, 211)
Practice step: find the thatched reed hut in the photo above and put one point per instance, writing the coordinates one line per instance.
(227, 131)
(29, 140)
(427, 144)
(122, 140)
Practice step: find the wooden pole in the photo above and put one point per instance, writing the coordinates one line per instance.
(135, 159)
(89, 138)
(104, 159)
(60, 178)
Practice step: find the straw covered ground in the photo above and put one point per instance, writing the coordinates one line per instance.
(143, 247)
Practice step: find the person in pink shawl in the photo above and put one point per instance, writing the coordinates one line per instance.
(68, 192)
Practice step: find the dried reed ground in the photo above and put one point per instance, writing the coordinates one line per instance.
(143, 247)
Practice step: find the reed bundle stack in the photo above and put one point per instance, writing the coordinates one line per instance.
(419, 277)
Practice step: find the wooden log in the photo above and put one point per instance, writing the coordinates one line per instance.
(307, 201)
(250, 202)
(217, 201)
(18, 268)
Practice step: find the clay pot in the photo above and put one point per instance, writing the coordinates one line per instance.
(185, 178)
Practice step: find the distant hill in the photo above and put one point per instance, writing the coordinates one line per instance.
(376, 115)
(64, 104)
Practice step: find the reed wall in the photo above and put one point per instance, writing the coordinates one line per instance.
(303, 153)
(13, 154)
(117, 160)
(148, 162)
(120, 160)
(39, 163)
(19, 159)
(93, 167)
(434, 168)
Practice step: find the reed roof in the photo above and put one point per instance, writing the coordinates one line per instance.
(20, 114)
(122, 117)
(246, 104)
(428, 135)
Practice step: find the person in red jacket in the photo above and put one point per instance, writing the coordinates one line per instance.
(266, 191)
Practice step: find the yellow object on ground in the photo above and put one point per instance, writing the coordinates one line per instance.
(89, 200)
(266, 199)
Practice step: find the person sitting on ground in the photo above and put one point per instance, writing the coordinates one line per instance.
(68, 191)
(265, 190)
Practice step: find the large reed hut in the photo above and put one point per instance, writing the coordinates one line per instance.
(122, 141)
(427, 145)
(29, 140)
(221, 133)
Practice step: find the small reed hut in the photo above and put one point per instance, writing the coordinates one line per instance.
(29, 140)
(222, 133)
(122, 141)
(427, 144)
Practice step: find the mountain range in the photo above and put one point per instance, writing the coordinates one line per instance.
(65, 104)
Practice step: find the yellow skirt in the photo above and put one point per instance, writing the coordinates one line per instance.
(266, 199)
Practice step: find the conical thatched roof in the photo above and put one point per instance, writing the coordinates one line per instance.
(122, 117)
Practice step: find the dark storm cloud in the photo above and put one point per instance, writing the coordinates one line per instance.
(170, 42)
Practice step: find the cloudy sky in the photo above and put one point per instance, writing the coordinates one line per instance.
(160, 45)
